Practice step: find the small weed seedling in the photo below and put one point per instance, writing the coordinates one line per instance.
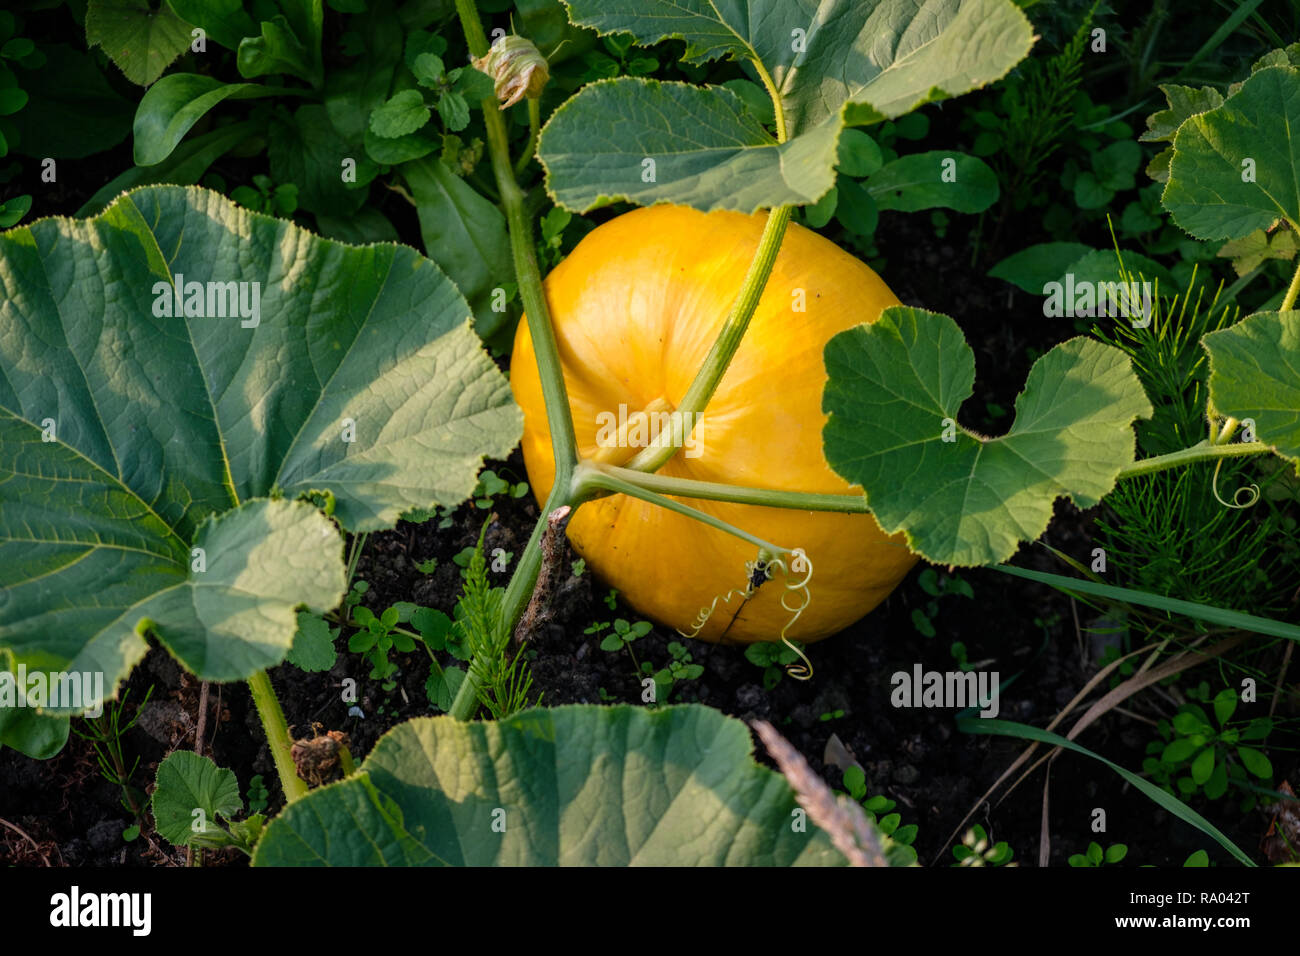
(975, 850)
(936, 587)
(1193, 753)
(104, 733)
(490, 486)
(879, 810)
(1095, 856)
(773, 658)
(257, 794)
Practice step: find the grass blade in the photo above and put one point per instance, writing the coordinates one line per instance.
(1204, 612)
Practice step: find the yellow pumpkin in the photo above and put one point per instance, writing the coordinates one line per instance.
(636, 308)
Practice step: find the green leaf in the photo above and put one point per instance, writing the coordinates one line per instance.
(1101, 266)
(855, 210)
(1236, 168)
(823, 210)
(97, 524)
(1225, 705)
(33, 734)
(932, 180)
(19, 48)
(185, 165)
(353, 92)
(1255, 762)
(858, 153)
(557, 781)
(305, 149)
(454, 111)
(223, 20)
(276, 50)
(1177, 751)
(13, 210)
(402, 114)
(429, 70)
(1250, 252)
(306, 18)
(441, 687)
(72, 111)
(313, 644)
(831, 67)
(1184, 102)
(140, 40)
(1089, 193)
(464, 233)
(982, 725)
(401, 149)
(1033, 267)
(895, 388)
(12, 100)
(1203, 766)
(871, 61)
(171, 107)
(644, 141)
(1116, 165)
(187, 782)
(1116, 853)
(1255, 374)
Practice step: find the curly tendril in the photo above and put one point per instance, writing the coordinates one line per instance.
(756, 573)
(1251, 491)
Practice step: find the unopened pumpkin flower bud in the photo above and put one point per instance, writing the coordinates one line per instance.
(517, 67)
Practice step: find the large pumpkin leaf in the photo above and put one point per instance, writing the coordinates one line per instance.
(573, 785)
(124, 430)
(894, 392)
(1255, 376)
(1236, 168)
(647, 142)
(831, 63)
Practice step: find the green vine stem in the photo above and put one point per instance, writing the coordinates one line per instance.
(564, 444)
(657, 453)
(534, 128)
(1202, 451)
(277, 736)
(856, 504)
(1288, 300)
(590, 478)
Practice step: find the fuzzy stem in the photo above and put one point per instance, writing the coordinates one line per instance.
(1202, 451)
(564, 445)
(857, 504)
(534, 127)
(277, 735)
(1292, 290)
(589, 479)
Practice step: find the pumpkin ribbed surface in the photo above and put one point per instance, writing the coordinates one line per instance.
(636, 307)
